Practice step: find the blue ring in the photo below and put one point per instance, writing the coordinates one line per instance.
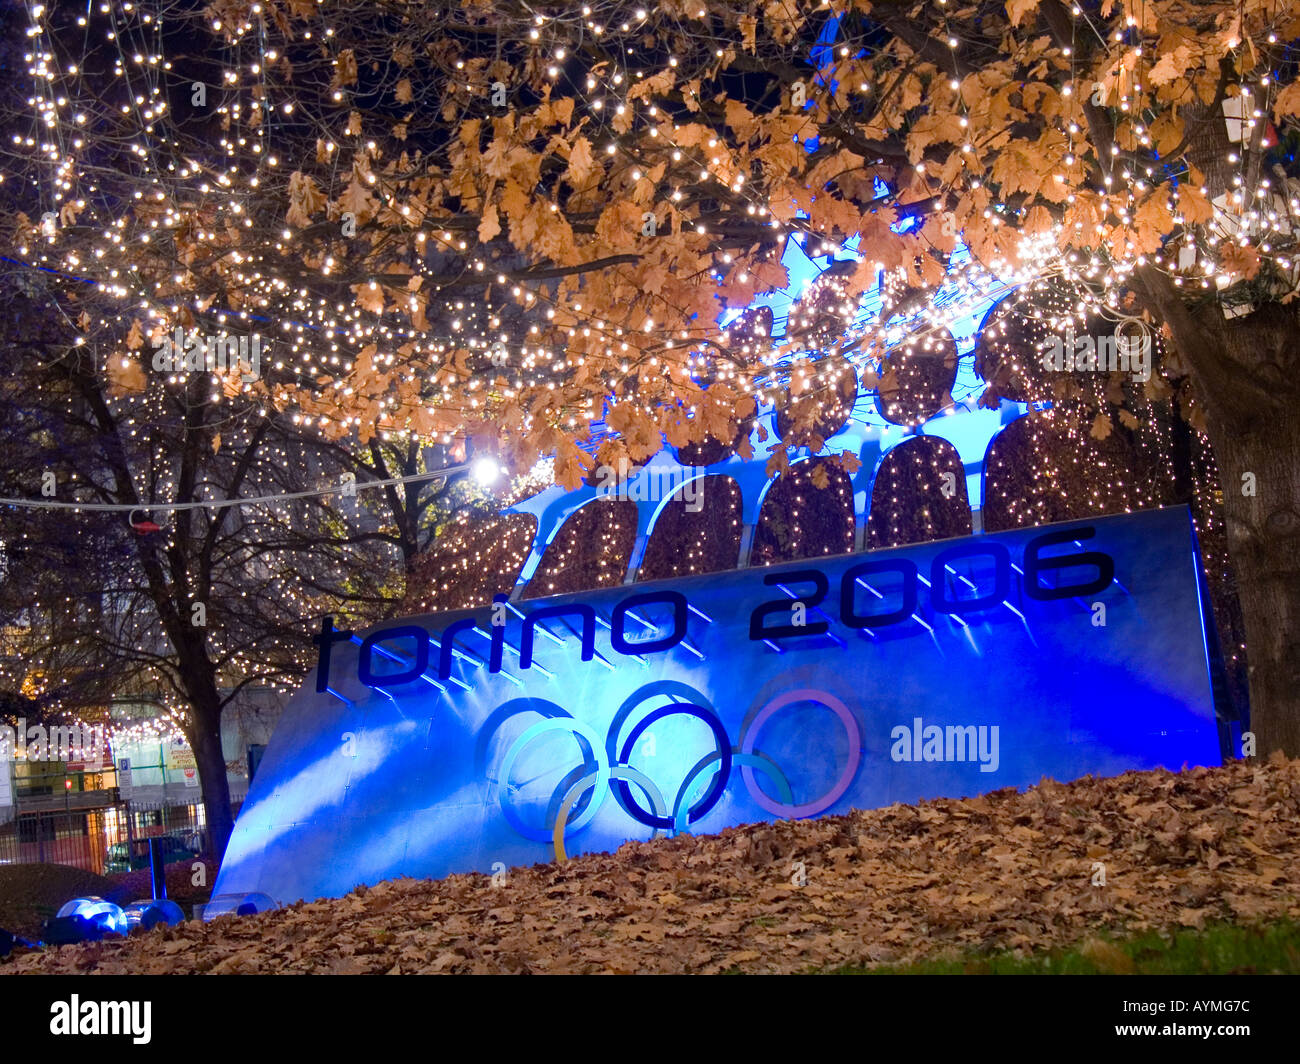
(681, 693)
(585, 735)
(754, 760)
(624, 794)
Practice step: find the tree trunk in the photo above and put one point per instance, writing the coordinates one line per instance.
(1246, 376)
(204, 735)
(205, 738)
(1259, 464)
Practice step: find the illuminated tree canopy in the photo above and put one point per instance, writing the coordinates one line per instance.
(532, 227)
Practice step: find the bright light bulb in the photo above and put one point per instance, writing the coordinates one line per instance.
(486, 471)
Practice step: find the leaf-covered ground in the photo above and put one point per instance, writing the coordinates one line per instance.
(1015, 871)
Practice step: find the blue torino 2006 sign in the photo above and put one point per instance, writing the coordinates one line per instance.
(452, 743)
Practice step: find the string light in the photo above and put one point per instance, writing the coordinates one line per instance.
(443, 328)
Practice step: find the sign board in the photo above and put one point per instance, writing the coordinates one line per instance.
(124, 777)
(451, 743)
(191, 777)
(177, 755)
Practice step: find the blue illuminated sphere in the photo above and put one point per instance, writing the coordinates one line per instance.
(151, 912)
(103, 914)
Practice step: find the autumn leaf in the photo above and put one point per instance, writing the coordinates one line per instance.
(1195, 206)
(540, 175)
(305, 199)
(125, 374)
(580, 162)
(514, 201)
(1101, 427)
(1238, 261)
(934, 129)
(469, 133)
(1287, 101)
(135, 336)
(370, 297)
(1152, 222)
(770, 275)
(782, 21)
(345, 68)
(356, 197)
(748, 33)
(1171, 65)
(1039, 220)
(659, 83)
(490, 226)
(417, 313)
(739, 118)
(554, 239)
(553, 112)
(571, 464)
(849, 462)
(619, 224)
(653, 278)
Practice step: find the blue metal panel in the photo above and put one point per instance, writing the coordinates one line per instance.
(361, 784)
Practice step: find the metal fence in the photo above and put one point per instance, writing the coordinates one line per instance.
(104, 836)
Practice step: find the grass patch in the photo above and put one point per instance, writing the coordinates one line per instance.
(1218, 949)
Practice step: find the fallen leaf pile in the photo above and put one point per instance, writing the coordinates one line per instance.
(1006, 871)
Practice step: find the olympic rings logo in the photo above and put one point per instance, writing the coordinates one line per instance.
(606, 769)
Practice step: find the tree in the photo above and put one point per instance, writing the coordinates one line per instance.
(523, 224)
(168, 591)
